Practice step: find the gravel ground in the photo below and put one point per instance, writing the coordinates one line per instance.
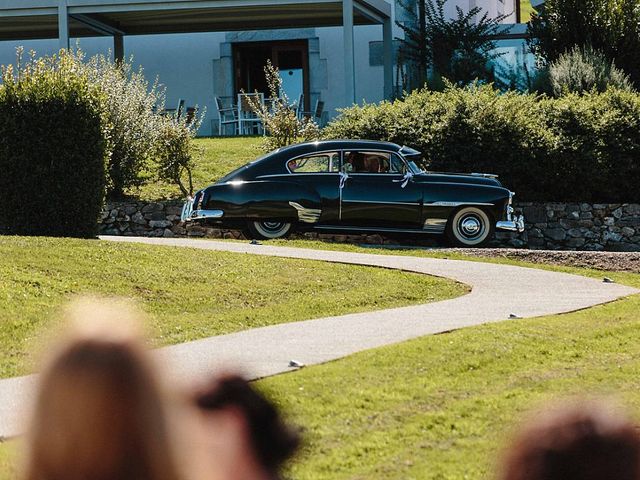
(617, 261)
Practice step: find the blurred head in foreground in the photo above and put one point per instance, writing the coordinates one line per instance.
(99, 412)
(575, 441)
(248, 439)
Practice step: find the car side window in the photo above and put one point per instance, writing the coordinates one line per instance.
(397, 165)
(372, 162)
(319, 163)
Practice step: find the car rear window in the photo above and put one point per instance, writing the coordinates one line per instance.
(316, 163)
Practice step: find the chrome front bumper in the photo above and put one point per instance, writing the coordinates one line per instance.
(189, 214)
(513, 223)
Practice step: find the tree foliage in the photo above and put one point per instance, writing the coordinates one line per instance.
(457, 49)
(609, 26)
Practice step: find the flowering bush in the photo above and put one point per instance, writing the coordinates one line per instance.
(583, 70)
(282, 125)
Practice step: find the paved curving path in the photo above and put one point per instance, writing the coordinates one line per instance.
(497, 292)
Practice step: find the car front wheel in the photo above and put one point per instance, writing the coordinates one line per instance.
(268, 229)
(469, 227)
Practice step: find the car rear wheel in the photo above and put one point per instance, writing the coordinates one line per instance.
(469, 227)
(268, 229)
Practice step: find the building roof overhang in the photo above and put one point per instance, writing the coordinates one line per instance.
(30, 19)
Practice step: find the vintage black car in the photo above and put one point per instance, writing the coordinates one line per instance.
(354, 185)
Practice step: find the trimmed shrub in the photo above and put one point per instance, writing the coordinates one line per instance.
(575, 148)
(52, 150)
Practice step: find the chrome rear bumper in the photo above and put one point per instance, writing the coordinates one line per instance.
(189, 214)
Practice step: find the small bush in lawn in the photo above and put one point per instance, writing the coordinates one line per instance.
(580, 147)
(585, 69)
(52, 149)
(176, 152)
(282, 125)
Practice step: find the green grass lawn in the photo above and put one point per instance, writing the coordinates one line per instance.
(188, 293)
(441, 407)
(219, 157)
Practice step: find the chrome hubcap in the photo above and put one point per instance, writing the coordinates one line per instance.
(470, 226)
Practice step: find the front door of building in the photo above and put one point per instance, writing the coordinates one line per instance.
(291, 58)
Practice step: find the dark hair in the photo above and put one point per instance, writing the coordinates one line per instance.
(273, 441)
(358, 162)
(575, 442)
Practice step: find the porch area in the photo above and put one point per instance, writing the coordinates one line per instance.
(65, 19)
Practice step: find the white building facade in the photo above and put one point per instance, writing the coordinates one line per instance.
(198, 67)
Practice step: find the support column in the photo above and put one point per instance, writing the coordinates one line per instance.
(349, 56)
(118, 48)
(387, 46)
(63, 25)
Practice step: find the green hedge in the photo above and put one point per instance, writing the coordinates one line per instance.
(52, 152)
(574, 148)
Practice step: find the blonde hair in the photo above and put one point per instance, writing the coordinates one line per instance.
(100, 411)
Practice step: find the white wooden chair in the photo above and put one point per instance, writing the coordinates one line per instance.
(248, 121)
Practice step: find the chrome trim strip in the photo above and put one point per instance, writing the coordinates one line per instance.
(204, 214)
(377, 174)
(307, 215)
(435, 223)
(288, 175)
(386, 203)
(375, 229)
(457, 204)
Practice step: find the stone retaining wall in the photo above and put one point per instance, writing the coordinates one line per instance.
(556, 226)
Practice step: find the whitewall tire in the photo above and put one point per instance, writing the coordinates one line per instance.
(470, 227)
(268, 229)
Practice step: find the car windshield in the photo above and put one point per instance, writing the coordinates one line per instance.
(413, 158)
